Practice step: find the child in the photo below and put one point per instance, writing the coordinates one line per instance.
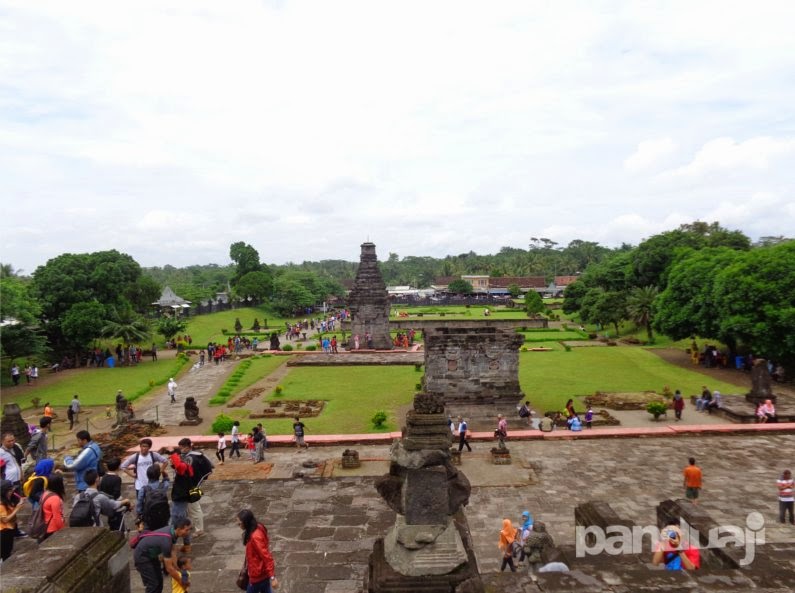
(250, 445)
(589, 417)
(184, 567)
(221, 447)
(110, 484)
(107, 411)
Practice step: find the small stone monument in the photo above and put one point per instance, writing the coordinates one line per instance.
(368, 304)
(14, 423)
(122, 409)
(761, 383)
(429, 548)
(191, 413)
(350, 459)
(275, 344)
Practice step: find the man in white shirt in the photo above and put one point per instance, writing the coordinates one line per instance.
(136, 465)
(172, 389)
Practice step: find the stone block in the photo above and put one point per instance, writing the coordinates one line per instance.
(425, 497)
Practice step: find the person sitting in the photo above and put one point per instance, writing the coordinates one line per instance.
(703, 401)
(575, 424)
(760, 414)
(714, 403)
(769, 410)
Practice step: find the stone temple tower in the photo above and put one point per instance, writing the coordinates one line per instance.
(368, 303)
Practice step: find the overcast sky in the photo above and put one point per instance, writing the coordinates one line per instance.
(168, 130)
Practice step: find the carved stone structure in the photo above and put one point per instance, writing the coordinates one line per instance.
(368, 303)
(475, 363)
(191, 413)
(274, 341)
(14, 423)
(429, 548)
(88, 560)
(350, 459)
(761, 383)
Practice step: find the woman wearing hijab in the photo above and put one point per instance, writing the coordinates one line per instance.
(524, 531)
(36, 484)
(259, 561)
(507, 537)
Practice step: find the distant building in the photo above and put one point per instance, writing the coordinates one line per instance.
(169, 302)
(493, 286)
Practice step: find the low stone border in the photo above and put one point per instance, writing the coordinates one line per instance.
(290, 408)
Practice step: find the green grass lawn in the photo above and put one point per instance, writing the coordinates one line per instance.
(259, 367)
(353, 395)
(98, 386)
(550, 378)
(545, 336)
(206, 328)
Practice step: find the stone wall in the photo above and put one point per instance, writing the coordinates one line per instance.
(475, 363)
(368, 303)
(84, 560)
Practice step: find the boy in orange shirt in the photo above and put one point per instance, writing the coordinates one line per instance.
(692, 483)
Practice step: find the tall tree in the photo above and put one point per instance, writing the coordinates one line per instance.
(640, 306)
(246, 259)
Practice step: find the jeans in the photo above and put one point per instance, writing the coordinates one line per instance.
(179, 509)
(260, 587)
(151, 576)
(785, 507)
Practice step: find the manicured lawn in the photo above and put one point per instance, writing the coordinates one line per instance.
(353, 395)
(206, 328)
(258, 367)
(542, 336)
(460, 312)
(97, 386)
(550, 378)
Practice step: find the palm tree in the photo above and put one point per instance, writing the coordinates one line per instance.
(126, 325)
(640, 306)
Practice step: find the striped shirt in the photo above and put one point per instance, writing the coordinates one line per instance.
(785, 488)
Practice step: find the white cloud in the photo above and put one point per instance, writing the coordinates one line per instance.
(650, 153)
(304, 126)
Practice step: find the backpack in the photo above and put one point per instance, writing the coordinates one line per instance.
(37, 528)
(27, 487)
(524, 412)
(84, 513)
(156, 513)
(202, 467)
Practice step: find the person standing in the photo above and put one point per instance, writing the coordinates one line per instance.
(154, 547)
(259, 563)
(52, 504)
(11, 455)
(136, 466)
(48, 411)
(88, 458)
(10, 504)
(502, 430)
(463, 427)
(154, 352)
(786, 500)
(74, 405)
(693, 481)
(235, 439)
(37, 446)
(679, 404)
(507, 537)
(191, 468)
(219, 452)
(298, 430)
(15, 374)
(172, 389)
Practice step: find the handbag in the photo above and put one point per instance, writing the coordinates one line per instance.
(242, 576)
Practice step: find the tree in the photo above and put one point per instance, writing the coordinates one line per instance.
(246, 259)
(290, 296)
(256, 285)
(126, 325)
(459, 286)
(514, 290)
(640, 307)
(604, 307)
(82, 324)
(533, 303)
(169, 327)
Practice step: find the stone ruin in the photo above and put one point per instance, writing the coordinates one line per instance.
(473, 363)
(429, 548)
(761, 383)
(368, 303)
(13, 422)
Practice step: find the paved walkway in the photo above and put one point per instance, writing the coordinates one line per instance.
(323, 523)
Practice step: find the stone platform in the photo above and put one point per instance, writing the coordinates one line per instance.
(323, 526)
(737, 408)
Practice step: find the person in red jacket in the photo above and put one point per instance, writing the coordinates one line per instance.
(259, 561)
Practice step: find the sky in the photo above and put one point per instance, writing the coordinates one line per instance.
(169, 130)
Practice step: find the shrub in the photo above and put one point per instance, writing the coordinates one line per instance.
(222, 423)
(379, 418)
(418, 386)
(657, 409)
(255, 326)
(278, 390)
(311, 348)
(287, 348)
(238, 325)
(567, 348)
(418, 367)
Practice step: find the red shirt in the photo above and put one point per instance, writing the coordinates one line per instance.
(258, 556)
(52, 508)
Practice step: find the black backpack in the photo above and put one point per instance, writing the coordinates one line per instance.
(202, 467)
(84, 513)
(156, 512)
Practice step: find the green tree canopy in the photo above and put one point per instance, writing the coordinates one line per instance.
(246, 259)
(533, 303)
(125, 324)
(169, 327)
(257, 285)
(640, 307)
(459, 286)
(604, 307)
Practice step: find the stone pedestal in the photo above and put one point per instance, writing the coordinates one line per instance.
(455, 456)
(368, 304)
(500, 456)
(473, 364)
(14, 423)
(350, 459)
(761, 383)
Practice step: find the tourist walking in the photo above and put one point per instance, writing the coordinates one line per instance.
(10, 505)
(37, 448)
(785, 496)
(172, 389)
(219, 452)
(15, 374)
(11, 456)
(258, 566)
(463, 428)
(74, 405)
(502, 430)
(524, 532)
(507, 538)
(693, 479)
(298, 430)
(150, 547)
(536, 542)
(235, 439)
(52, 505)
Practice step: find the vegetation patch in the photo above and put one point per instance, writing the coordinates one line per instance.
(291, 408)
